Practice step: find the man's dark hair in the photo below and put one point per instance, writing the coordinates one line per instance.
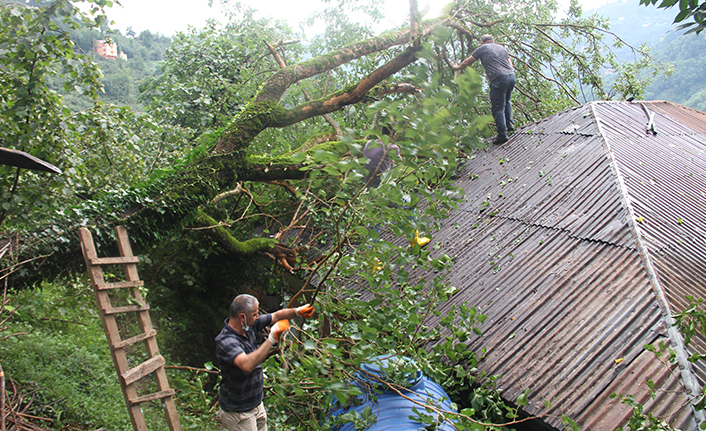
(487, 38)
(388, 130)
(243, 303)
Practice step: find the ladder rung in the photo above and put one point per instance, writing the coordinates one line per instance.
(126, 309)
(120, 285)
(153, 365)
(149, 366)
(114, 260)
(155, 396)
(136, 339)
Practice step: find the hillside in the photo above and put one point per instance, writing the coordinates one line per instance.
(637, 24)
(121, 76)
(687, 85)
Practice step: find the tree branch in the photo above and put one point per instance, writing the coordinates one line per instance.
(282, 65)
(225, 195)
(275, 87)
(288, 187)
(413, 18)
(349, 96)
(229, 243)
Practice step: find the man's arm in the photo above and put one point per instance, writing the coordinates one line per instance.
(285, 313)
(465, 63)
(305, 311)
(249, 361)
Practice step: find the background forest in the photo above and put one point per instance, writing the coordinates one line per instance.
(653, 27)
(232, 154)
(633, 23)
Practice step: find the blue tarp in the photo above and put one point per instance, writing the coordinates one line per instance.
(393, 410)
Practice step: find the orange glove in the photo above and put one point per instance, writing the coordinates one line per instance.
(305, 311)
(277, 331)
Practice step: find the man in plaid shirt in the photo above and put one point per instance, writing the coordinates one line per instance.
(240, 357)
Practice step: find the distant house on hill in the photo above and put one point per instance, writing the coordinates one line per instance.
(107, 49)
(579, 239)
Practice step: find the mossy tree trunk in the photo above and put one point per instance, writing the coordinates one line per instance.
(182, 198)
(230, 163)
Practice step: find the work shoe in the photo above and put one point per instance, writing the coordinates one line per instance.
(500, 140)
(420, 241)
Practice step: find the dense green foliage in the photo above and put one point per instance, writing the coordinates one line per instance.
(102, 147)
(59, 354)
(32, 117)
(686, 85)
(210, 75)
(213, 173)
(63, 353)
(388, 317)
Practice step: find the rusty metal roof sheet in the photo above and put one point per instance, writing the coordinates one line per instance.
(605, 412)
(576, 239)
(684, 115)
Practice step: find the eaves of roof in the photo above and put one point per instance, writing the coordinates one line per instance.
(24, 160)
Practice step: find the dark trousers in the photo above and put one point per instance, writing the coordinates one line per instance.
(500, 91)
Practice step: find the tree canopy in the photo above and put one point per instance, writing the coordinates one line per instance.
(224, 88)
(251, 148)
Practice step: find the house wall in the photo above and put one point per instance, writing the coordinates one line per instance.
(107, 49)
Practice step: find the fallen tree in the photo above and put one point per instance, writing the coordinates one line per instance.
(257, 176)
(181, 196)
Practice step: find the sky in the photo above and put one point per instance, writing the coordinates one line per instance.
(169, 16)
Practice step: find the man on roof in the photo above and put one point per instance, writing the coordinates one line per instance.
(501, 74)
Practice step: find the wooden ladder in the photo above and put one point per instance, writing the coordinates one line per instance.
(130, 378)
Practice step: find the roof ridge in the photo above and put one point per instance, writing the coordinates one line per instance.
(688, 375)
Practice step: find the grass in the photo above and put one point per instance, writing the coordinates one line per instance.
(63, 361)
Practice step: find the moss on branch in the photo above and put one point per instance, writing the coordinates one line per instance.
(220, 234)
(288, 166)
(256, 117)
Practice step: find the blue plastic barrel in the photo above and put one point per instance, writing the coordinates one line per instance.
(392, 410)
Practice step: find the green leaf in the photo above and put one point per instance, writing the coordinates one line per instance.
(682, 15)
(522, 399)
(666, 3)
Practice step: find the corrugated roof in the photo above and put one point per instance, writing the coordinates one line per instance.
(604, 413)
(667, 193)
(576, 238)
(682, 114)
